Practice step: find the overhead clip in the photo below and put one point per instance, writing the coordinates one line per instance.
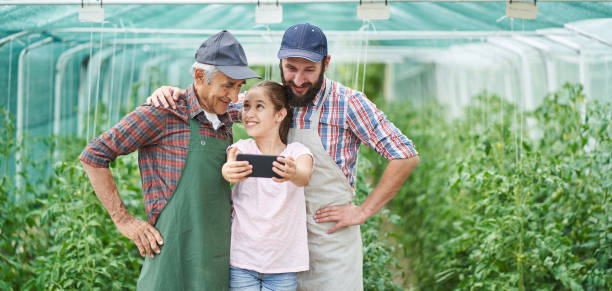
(268, 13)
(258, 3)
(522, 10)
(91, 13)
(373, 10)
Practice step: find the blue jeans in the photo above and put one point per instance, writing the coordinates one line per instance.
(247, 280)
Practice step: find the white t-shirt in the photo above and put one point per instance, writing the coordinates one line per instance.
(269, 220)
(213, 118)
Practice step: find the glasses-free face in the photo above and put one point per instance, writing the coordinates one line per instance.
(303, 78)
(259, 115)
(216, 96)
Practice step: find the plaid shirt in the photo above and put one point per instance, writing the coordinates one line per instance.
(161, 137)
(348, 119)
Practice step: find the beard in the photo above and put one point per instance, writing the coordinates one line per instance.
(309, 95)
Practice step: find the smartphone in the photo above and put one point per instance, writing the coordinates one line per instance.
(262, 165)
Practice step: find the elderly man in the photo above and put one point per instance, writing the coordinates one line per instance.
(332, 121)
(180, 155)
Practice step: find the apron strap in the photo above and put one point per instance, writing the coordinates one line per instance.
(316, 112)
(194, 130)
(316, 116)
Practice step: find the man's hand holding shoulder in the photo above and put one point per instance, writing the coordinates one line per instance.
(165, 96)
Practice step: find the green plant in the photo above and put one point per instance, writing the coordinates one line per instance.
(378, 260)
(497, 204)
(55, 233)
(20, 235)
(85, 249)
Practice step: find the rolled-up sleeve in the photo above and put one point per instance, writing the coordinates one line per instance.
(373, 128)
(141, 127)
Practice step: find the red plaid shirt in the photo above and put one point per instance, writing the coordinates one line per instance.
(161, 137)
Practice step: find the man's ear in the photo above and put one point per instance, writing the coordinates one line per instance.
(326, 61)
(199, 76)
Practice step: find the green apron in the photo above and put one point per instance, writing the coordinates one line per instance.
(195, 224)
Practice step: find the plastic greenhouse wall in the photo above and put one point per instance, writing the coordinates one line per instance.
(63, 78)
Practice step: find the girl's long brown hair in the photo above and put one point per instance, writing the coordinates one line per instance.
(278, 96)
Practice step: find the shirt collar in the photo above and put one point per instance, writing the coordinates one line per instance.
(323, 92)
(194, 108)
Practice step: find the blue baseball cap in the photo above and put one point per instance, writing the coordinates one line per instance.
(303, 41)
(225, 52)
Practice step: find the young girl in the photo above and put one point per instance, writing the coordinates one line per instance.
(269, 241)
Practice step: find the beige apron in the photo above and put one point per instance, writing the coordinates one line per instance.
(335, 259)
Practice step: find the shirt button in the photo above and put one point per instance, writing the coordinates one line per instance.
(203, 142)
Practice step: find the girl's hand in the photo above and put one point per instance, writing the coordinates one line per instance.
(287, 171)
(235, 171)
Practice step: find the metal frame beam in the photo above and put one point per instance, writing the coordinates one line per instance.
(160, 2)
(13, 37)
(336, 35)
(581, 32)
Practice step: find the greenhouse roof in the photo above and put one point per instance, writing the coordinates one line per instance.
(334, 16)
(413, 28)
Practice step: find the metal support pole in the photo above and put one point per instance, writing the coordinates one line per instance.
(20, 106)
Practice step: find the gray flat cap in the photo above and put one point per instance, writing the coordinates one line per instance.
(225, 52)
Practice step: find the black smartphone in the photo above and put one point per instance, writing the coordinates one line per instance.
(262, 165)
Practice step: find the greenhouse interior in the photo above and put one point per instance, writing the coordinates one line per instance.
(509, 110)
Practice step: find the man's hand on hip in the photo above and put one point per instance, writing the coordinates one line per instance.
(345, 215)
(144, 235)
(394, 176)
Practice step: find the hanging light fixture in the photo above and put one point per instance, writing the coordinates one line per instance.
(268, 13)
(522, 10)
(91, 12)
(373, 11)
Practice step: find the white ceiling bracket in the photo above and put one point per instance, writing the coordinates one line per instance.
(91, 12)
(373, 11)
(268, 13)
(522, 10)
